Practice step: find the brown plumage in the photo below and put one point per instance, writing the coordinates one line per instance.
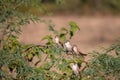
(76, 51)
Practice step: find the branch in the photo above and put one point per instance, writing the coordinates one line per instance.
(33, 46)
(57, 61)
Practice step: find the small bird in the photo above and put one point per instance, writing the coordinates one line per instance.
(68, 46)
(75, 68)
(76, 51)
(57, 41)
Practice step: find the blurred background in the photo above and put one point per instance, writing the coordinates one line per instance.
(90, 7)
(99, 22)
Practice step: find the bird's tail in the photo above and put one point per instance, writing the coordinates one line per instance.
(82, 54)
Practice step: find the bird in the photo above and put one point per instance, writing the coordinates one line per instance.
(57, 41)
(76, 51)
(75, 68)
(68, 46)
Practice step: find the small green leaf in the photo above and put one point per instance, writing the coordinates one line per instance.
(117, 50)
(51, 28)
(63, 30)
(52, 56)
(30, 56)
(73, 28)
(71, 34)
(48, 37)
(63, 37)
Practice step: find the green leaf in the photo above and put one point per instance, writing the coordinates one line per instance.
(30, 56)
(73, 28)
(63, 37)
(63, 30)
(39, 70)
(48, 37)
(52, 56)
(71, 34)
(117, 50)
(51, 28)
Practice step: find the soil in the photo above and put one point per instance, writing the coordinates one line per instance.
(95, 31)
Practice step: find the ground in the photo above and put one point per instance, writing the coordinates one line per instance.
(95, 31)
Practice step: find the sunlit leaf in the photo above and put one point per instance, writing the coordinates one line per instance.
(63, 37)
(73, 28)
(63, 30)
(30, 56)
(71, 34)
(48, 37)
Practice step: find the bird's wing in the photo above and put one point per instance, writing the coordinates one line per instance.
(61, 43)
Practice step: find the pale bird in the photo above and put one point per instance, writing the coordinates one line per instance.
(75, 69)
(68, 46)
(57, 41)
(76, 51)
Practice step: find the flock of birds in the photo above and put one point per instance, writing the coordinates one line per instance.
(70, 49)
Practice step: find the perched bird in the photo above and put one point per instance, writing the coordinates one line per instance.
(76, 51)
(57, 41)
(75, 69)
(68, 46)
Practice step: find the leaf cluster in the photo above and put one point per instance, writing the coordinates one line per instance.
(103, 66)
(17, 60)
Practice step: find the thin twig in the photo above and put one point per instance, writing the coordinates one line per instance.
(32, 47)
